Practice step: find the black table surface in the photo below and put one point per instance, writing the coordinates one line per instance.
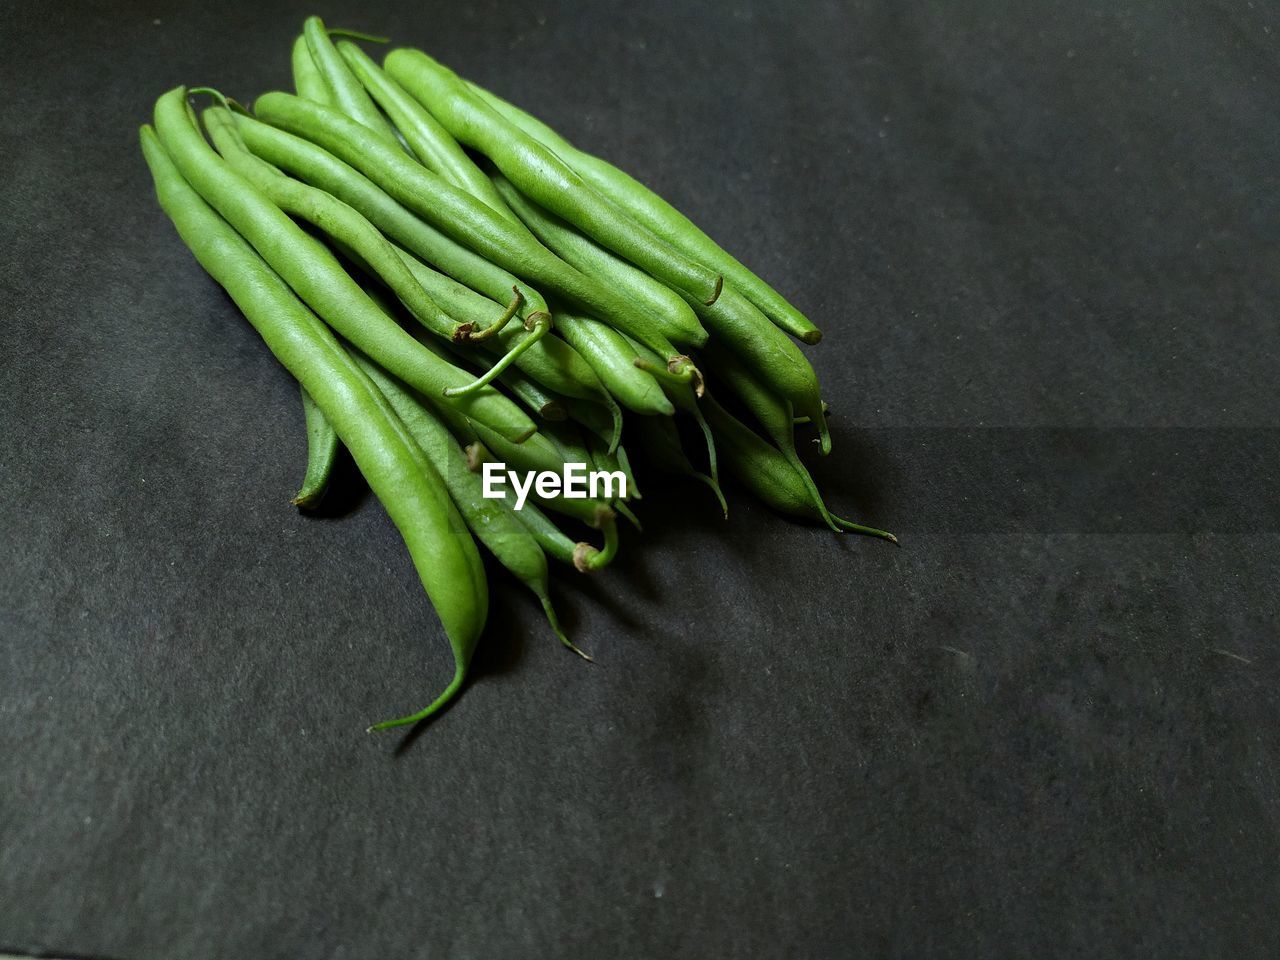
(1042, 241)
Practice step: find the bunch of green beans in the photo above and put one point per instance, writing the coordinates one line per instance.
(453, 283)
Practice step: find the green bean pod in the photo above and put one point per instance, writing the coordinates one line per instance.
(469, 221)
(773, 414)
(430, 142)
(550, 360)
(675, 317)
(412, 492)
(543, 176)
(683, 398)
(763, 470)
(736, 323)
(650, 210)
(308, 81)
(660, 442)
(612, 357)
(338, 220)
(534, 397)
(582, 556)
(322, 451)
(511, 543)
(315, 274)
(314, 165)
(346, 93)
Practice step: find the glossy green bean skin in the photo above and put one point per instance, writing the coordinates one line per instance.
(763, 470)
(316, 275)
(533, 396)
(510, 541)
(338, 220)
(322, 451)
(430, 142)
(346, 93)
(307, 79)
(550, 361)
(675, 317)
(771, 412)
(647, 208)
(543, 176)
(455, 212)
(314, 165)
(413, 494)
(735, 323)
(612, 357)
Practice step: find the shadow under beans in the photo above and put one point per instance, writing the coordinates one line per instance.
(346, 492)
(860, 478)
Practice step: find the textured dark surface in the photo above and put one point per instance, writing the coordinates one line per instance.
(1042, 241)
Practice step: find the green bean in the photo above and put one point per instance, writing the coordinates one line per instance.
(615, 460)
(322, 442)
(429, 141)
(308, 81)
(676, 318)
(352, 231)
(772, 413)
(320, 168)
(650, 210)
(534, 397)
(551, 361)
(681, 396)
(322, 451)
(777, 362)
(345, 91)
(469, 221)
(489, 521)
(542, 176)
(313, 272)
(762, 469)
(660, 441)
(413, 494)
(611, 355)
(581, 555)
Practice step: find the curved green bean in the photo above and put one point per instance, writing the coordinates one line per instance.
(413, 494)
(543, 176)
(511, 543)
(762, 469)
(430, 142)
(308, 81)
(345, 92)
(322, 451)
(313, 272)
(675, 317)
(647, 208)
(469, 221)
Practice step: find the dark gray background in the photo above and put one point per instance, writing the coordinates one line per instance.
(1042, 240)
